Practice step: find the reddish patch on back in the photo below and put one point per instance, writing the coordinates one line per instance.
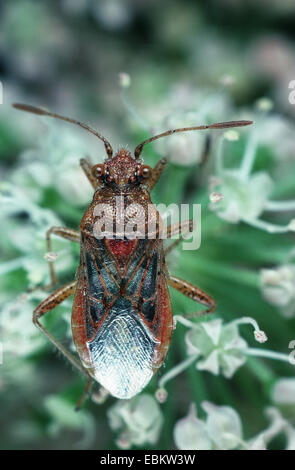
(121, 248)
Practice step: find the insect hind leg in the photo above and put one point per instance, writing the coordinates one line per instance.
(194, 293)
(86, 392)
(55, 299)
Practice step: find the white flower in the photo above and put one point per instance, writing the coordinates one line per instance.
(222, 429)
(73, 185)
(190, 433)
(278, 287)
(216, 348)
(246, 195)
(242, 200)
(19, 335)
(28, 237)
(223, 425)
(139, 421)
(55, 163)
(277, 425)
(220, 348)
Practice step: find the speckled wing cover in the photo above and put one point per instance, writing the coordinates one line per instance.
(122, 318)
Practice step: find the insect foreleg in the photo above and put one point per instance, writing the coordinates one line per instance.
(156, 173)
(193, 293)
(63, 232)
(49, 304)
(86, 167)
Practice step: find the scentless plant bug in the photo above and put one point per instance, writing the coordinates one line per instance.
(122, 315)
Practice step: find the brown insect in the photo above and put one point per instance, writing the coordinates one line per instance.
(122, 315)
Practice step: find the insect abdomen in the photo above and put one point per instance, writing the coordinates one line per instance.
(122, 333)
(122, 352)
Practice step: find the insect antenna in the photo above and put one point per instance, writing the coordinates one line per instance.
(43, 112)
(217, 125)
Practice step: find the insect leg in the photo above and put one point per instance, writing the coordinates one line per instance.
(194, 293)
(178, 229)
(206, 150)
(157, 172)
(49, 304)
(63, 232)
(85, 393)
(86, 167)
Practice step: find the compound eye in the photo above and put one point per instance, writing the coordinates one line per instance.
(109, 178)
(98, 171)
(145, 171)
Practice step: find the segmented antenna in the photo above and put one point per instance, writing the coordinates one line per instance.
(42, 112)
(217, 125)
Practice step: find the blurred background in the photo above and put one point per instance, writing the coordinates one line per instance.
(131, 69)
